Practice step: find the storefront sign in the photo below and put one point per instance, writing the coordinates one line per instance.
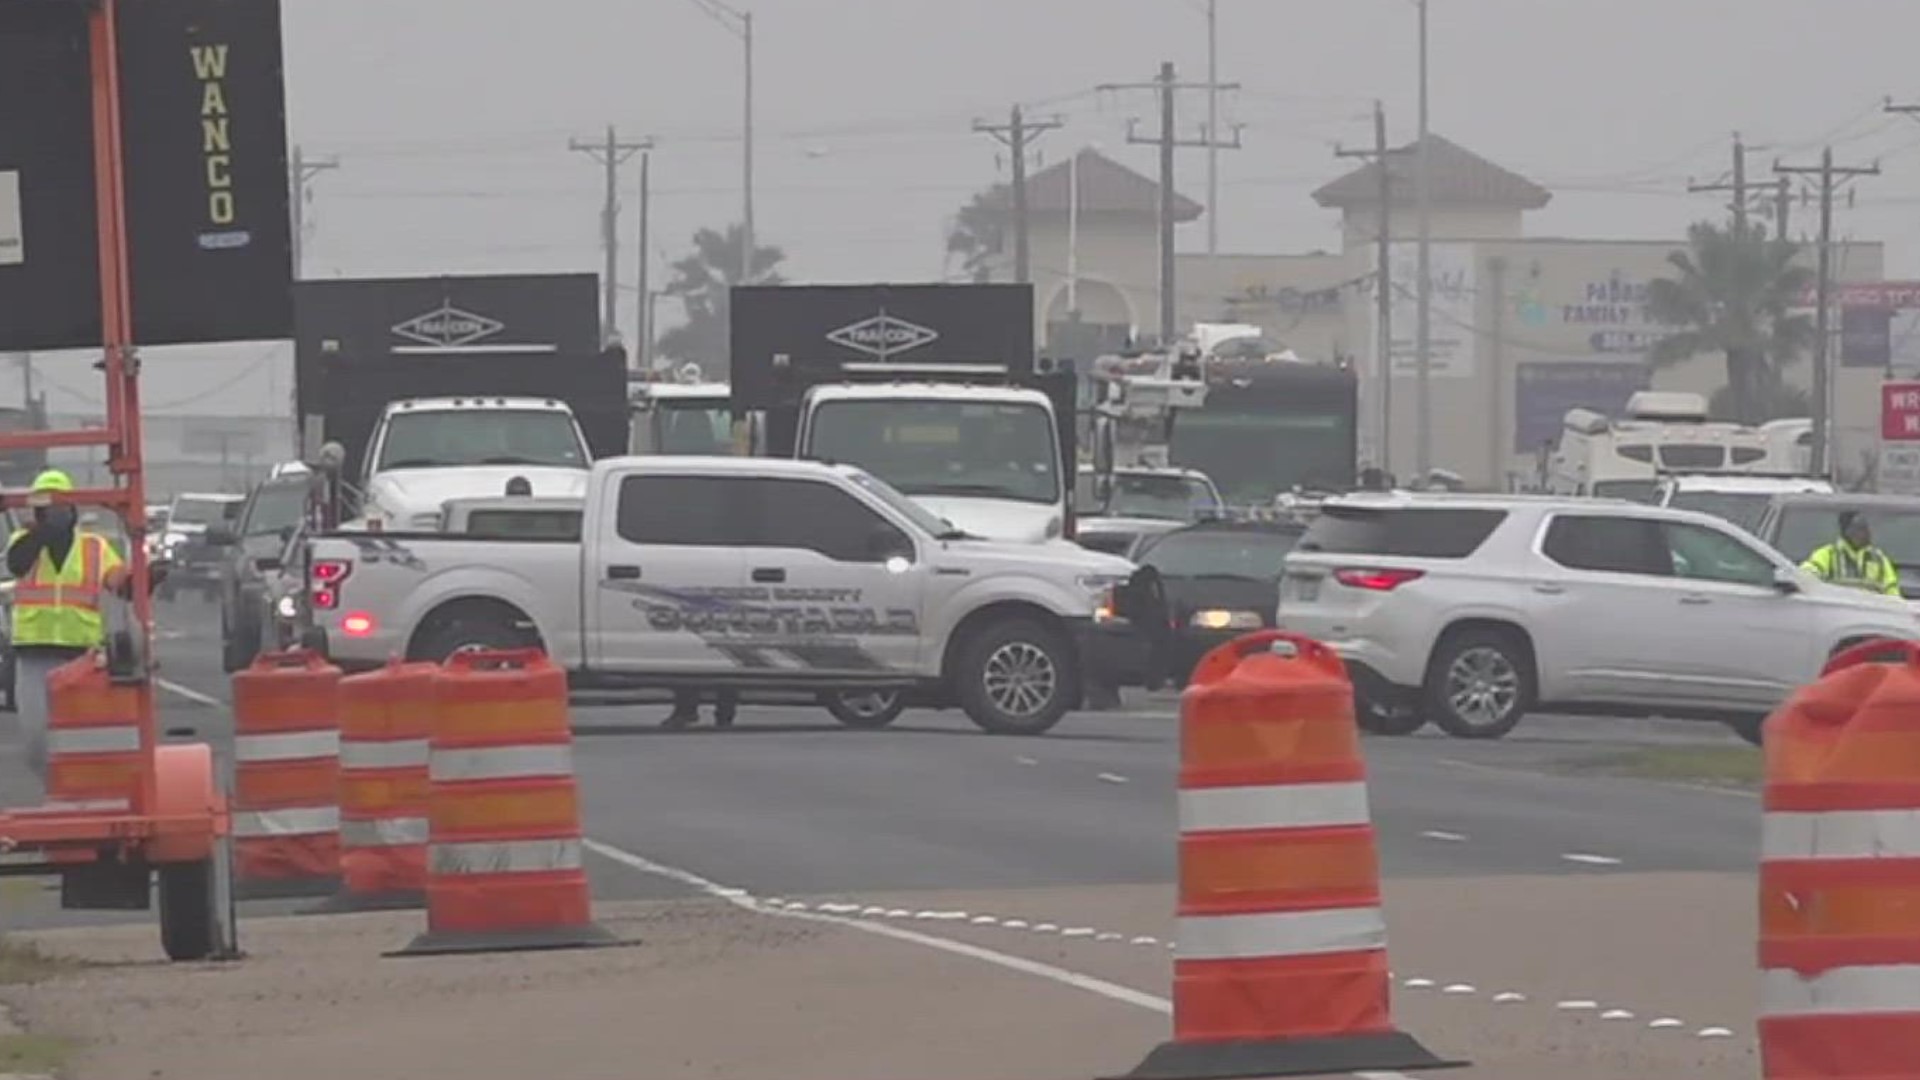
(1544, 392)
(1900, 412)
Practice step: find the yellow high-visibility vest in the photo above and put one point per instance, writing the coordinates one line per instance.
(60, 605)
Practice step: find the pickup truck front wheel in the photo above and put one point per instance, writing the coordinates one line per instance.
(464, 634)
(865, 710)
(1016, 678)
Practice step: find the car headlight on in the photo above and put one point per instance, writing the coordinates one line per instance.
(1217, 619)
(287, 608)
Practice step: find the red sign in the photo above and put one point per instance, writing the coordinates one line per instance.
(1900, 412)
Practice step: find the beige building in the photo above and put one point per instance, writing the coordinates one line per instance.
(1522, 328)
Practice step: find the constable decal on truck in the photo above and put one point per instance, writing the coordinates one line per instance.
(817, 627)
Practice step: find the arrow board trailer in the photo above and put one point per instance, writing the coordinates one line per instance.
(933, 388)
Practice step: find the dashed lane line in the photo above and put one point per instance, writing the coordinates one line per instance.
(1585, 859)
(740, 898)
(190, 694)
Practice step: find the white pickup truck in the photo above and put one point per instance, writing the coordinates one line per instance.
(753, 574)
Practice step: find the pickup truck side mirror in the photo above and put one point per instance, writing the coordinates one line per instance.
(885, 542)
(1785, 581)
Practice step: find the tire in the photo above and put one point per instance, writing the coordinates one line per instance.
(1016, 677)
(1499, 684)
(868, 710)
(464, 634)
(234, 645)
(187, 925)
(1392, 721)
(1749, 728)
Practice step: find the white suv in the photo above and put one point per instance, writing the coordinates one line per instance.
(1471, 611)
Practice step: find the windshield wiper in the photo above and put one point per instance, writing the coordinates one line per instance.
(955, 534)
(510, 460)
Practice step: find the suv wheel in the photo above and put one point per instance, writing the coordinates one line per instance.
(1480, 684)
(865, 710)
(1016, 678)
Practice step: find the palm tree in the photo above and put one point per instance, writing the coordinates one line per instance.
(1732, 294)
(979, 232)
(701, 281)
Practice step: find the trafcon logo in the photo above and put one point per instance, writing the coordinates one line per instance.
(448, 327)
(883, 336)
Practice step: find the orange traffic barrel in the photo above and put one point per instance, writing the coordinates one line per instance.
(286, 753)
(1280, 961)
(505, 865)
(386, 722)
(1840, 873)
(95, 760)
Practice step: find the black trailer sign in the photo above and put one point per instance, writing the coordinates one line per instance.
(205, 159)
(779, 332)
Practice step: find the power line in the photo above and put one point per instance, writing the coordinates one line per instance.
(1168, 139)
(611, 154)
(1014, 135)
(1830, 175)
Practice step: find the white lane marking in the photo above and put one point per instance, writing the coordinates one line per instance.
(1590, 860)
(1146, 941)
(1715, 1033)
(1507, 997)
(1046, 928)
(1418, 984)
(1112, 778)
(190, 694)
(1458, 988)
(1578, 1006)
(1616, 1014)
(1026, 761)
(1014, 924)
(1106, 935)
(1077, 931)
(1666, 1022)
(1449, 837)
(1111, 991)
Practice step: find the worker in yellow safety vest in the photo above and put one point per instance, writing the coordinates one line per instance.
(61, 572)
(1853, 561)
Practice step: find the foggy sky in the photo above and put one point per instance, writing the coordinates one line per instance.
(451, 119)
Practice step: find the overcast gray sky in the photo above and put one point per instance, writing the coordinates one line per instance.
(451, 118)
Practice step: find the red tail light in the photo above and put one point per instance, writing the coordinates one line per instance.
(327, 576)
(1376, 578)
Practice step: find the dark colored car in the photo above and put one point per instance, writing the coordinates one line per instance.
(250, 550)
(1196, 588)
(196, 563)
(1797, 524)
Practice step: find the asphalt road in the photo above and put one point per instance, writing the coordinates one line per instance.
(787, 804)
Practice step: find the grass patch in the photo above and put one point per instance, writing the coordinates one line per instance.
(23, 962)
(1720, 766)
(28, 1053)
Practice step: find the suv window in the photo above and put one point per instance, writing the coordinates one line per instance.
(1411, 532)
(813, 516)
(1703, 554)
(1608, 545)
(690, 511)
(276, 507)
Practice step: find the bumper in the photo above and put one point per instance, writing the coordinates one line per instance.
(1114, 653)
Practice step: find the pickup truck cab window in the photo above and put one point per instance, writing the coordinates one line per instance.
(686, 511)
(812, 516)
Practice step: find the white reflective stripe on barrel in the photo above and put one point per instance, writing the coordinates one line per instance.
(77, 806)
(397, 754)
(1840, 834)
(119, 739)
(390, 832)
(510, 857)
(1891, 988)
(1280, 933)
(299, 821)
(286, 746)
(501, 763)
(1273, 806)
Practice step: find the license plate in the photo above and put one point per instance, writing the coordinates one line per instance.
(1306, 588)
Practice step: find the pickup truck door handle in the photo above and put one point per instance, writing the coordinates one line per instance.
(1696, 598)
(623, 573)
(769, 573)
(1548, 588)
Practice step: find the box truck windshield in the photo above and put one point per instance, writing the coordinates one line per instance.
(953, 448)
(453, 438)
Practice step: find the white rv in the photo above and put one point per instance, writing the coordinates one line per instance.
(1661, 432)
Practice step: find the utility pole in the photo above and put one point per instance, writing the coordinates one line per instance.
(643, 321)
(1015, 134)
(1737, 187)
(1830, 176)
(611, 153)
(1383, 349)
(1782, 205)
(300, 173)
(1425, 333)
(1168, 140)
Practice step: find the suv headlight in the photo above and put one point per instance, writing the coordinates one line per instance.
(1216, 619)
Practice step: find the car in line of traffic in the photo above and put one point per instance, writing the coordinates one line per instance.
(1473, 610)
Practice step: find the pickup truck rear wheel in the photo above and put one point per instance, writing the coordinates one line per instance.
(865, 710)
(464, 635)
(1016, 677)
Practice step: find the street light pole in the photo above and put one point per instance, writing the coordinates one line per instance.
(740, 24)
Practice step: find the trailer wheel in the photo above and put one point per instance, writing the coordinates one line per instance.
(187, 923)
